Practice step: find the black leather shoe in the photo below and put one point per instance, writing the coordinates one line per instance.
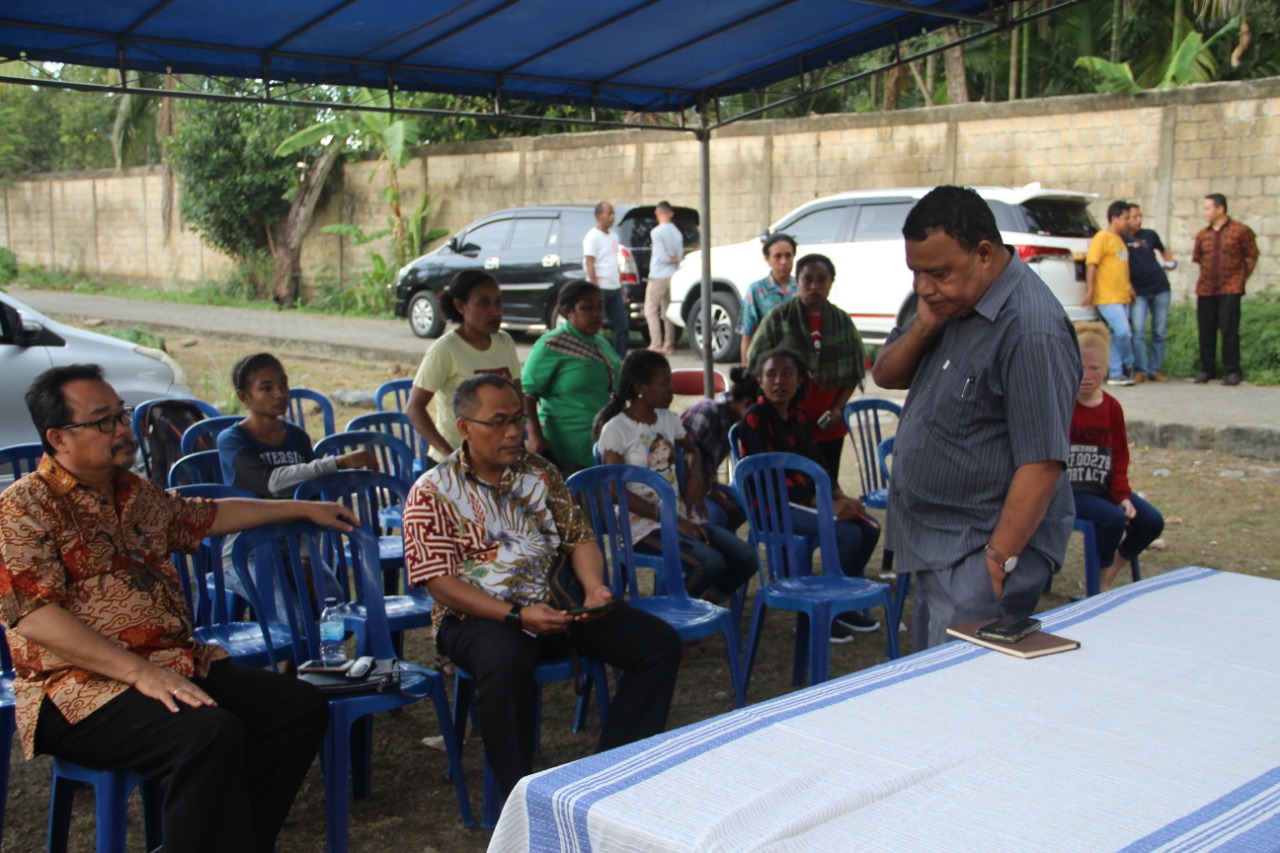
(1203, 378)
(1232, 379)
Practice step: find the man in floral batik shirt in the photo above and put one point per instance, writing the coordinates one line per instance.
(108, 674)
(481, 531)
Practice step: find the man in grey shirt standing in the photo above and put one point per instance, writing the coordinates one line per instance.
(979, 508)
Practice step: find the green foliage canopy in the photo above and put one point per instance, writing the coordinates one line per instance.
(233, 184)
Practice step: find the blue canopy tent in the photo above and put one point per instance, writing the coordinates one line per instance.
(633, 55)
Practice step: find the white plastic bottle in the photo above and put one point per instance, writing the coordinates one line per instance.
(333, 630)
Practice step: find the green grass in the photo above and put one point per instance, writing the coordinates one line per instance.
(1259, 339)
(234, 292)
(136, 335)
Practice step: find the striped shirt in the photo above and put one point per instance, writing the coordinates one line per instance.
(994, 391)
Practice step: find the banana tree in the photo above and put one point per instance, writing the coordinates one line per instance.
(392, 138)
(1189, 61)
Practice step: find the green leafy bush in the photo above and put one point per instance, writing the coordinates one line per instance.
(8, 266)
(1259, 339)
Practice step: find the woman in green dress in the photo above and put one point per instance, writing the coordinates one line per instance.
(569, 376)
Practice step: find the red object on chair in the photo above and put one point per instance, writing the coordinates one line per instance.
(688, 381)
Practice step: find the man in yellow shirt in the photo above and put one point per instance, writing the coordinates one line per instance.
(1108, 289)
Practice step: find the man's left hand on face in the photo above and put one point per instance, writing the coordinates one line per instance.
(333, 515)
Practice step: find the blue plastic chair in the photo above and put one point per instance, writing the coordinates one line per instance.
(213, 607)
(715, 515)
(8, 724)
(213, 491)
(603, 491)
(547, 672)
(140, 422)
(214, 586)
(788, 583)
(399, 425)
(863, 418)
(203, 435)
(809, 543)
(298, 400)
(1093, 563)
(346, 756)
(20, 459)
(111, 789)
(366, 493)
(202, 467)
(394, 456)
(902, 586)
(393, 396)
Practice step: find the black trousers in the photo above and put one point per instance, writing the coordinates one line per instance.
(1216, 314)
(502, 659)
(831, 452)
(230, 772)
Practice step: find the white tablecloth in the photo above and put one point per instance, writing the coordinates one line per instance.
(1162, 732)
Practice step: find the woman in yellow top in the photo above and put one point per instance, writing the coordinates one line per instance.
(476, 345)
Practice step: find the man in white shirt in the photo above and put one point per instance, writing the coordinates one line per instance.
(600, 265)
(667, 249)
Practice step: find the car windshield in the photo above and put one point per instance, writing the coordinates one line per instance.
(633, 230)
(1059, 218)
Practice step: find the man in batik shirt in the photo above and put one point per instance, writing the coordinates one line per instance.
(108, 675)
(481, 531)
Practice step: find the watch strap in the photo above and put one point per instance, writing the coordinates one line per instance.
(512, 619)
(1001, 560)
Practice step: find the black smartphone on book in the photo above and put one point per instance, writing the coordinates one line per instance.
(1008, 629)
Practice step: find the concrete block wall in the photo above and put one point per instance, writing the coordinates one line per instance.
(1163, 149)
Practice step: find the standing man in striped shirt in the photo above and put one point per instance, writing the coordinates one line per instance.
(979, 509)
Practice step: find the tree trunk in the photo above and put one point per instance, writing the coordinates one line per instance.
(922, 84)
(1114, 54)
(287, 251)
(953, 61)
(894, 85)
(1013, 60)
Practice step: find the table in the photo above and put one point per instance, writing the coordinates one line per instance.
(1161, 732)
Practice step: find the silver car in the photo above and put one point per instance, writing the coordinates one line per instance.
(31, 343)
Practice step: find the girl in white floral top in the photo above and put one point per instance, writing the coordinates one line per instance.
(637, 427)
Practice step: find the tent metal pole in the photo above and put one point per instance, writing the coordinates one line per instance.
(704, 213)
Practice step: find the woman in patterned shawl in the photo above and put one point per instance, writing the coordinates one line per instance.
(824, 336)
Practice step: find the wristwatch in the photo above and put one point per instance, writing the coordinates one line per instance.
(1006, 563)
(512, 619)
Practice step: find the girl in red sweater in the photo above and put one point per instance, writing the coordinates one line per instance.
(1099, 464)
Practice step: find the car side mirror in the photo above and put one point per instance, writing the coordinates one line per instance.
(452, 245)
(764, 235)
(29, 331)
(470, 249)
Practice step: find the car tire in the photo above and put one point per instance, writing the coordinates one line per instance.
(424, 315)
(726, 344)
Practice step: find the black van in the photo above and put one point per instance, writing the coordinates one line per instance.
(532, 252)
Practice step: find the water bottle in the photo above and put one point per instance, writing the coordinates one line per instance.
(333, 630)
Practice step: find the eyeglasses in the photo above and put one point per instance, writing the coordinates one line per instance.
(518, 421)
(108, 424)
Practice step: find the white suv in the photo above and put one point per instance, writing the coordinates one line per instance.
(861, 232)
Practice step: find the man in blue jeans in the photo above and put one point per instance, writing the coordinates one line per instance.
(1151, 286)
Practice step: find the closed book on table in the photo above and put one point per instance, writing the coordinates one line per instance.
(1034, 645)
